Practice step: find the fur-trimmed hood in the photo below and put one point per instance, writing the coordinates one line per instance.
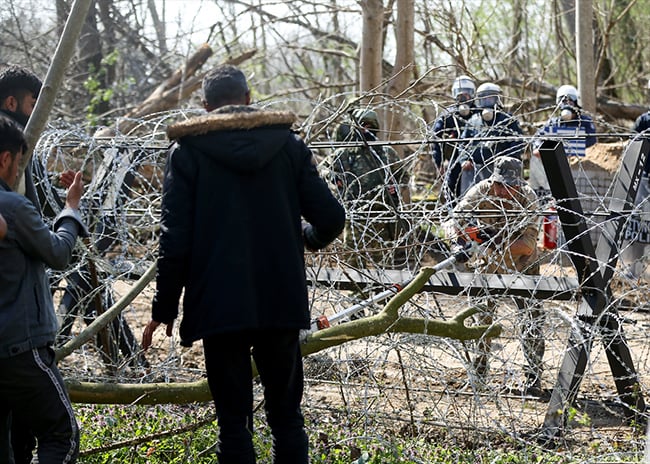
(240, 137)
(232, 117)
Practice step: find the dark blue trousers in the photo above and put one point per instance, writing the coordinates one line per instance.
(32, 391)
(279, 363)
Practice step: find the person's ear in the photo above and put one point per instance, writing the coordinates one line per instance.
(5, 161)
(10, 103)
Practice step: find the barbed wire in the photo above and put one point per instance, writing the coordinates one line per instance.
(394, 382)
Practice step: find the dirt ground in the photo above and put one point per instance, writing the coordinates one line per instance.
(414, 382)
(406, 381)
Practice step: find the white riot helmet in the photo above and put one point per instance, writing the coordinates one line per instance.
(567, 92)
(488, 95)
(463, 89)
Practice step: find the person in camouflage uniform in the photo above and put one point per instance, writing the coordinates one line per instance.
(503, 207)
(368, 178)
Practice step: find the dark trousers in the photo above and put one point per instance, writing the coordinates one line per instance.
(279, 363)
(17, 442)
(32, 391)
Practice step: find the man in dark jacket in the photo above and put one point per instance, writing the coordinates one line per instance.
(31, 387)
(490, 132)
(451, 123)
(19, 89)
(236, 185)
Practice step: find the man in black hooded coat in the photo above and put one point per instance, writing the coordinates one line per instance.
(237, 183)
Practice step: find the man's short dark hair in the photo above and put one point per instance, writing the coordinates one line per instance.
(225, 85)
(17, 81)
(11, 137)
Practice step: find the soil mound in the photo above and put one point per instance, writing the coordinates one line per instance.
(604, 157)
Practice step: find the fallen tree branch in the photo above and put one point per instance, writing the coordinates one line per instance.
(172, 91)
(148, 438)
(387, 321)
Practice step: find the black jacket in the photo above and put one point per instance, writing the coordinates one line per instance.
(236, 185)
(449, 125)
(499, 137)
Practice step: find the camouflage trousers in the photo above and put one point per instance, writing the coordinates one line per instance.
(372, 238)
(530, 318)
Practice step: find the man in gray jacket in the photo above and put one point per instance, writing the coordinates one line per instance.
(31, 386)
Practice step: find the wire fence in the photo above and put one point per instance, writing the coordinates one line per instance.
(395, 383)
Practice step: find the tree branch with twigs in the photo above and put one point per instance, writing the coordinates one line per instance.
(386, 321)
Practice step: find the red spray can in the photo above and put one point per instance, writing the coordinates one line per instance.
(549, 228)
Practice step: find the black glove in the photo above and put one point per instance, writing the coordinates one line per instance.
(491, 235)
(461, 251)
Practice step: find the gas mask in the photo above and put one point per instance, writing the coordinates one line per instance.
(463, 109)
(567, 112)
(487, 114)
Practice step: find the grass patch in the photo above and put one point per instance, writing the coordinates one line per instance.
(173, 434)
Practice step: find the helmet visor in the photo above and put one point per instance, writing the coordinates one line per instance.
(463, 94)
(488, 101)
(463, 85)
(567, 99)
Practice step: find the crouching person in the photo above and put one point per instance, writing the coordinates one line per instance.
(31, 387)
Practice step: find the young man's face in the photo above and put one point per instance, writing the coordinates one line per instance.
(26, 105)
(9, 172)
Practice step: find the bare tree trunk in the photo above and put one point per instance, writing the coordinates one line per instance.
(62, 11)
(109, 43)
(159, 26)
(89, 48)
(569, 14)
(618, 18)
(403, 72)
(516, 52)
(565, 15)
(403, 69)
(90, 61)
(53, 78)
(372, 46)
(585, 54)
